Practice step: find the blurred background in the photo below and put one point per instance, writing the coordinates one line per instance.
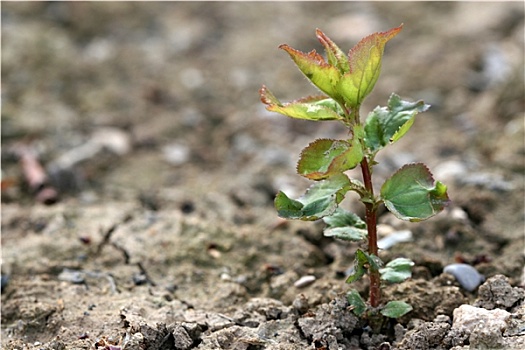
(120, 99)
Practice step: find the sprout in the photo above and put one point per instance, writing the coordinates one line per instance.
(411, 193)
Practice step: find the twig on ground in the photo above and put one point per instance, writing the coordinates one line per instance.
(35, 175)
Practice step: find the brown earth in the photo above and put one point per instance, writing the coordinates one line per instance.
(147, 119)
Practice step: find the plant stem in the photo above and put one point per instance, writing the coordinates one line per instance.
(370, 217)
(371, 225)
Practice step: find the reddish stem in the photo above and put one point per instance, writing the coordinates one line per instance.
(371, 225)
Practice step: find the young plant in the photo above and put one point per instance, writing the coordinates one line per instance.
(410, 193)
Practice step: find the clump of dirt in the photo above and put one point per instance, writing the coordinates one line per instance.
(161, 231)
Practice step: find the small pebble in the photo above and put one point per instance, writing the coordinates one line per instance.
(176, 153)
(300, 303)
(442, 319)
(5, 281)
(468, 277)
(226, 277)
(458, 214)
(139, 279)
(451, 170)
(493, 182)
(394, 238)
(75, 277)
(304, 281)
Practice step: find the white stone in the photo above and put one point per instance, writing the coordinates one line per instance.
(394, 238)
(468, 317)
(304, 281)
(468, 277)
(176, 153)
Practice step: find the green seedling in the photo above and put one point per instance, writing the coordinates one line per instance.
(411, 193)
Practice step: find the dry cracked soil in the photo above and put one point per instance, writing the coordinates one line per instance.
(154, 225)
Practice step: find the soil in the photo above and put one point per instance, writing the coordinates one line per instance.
(147, 120)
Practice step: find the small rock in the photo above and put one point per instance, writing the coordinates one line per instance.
(112, 139)
(468, 317)
(484, 326)
(468, 277)
(498, 293)
(225, 277)
(270, 308)
(394, 238)
(181, 337)
(176, 153)
(140, 279)
(304, 281)
(75, 277)
(115, 140)
(442, 319)
(300, 303)
(233, 337)
(458, 214)
(4, 281)
(133, 341)
(210, 320)
(431, 334)
(493, 182)
(451, 170)
(193, 329)
(329, 319)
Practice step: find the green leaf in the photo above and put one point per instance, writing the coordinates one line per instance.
(397, 270)
(365, 66)
(316, 69)
(323, 158)
(342, 218)
(386, 125)
(395, 309)
(314, 108)
(320, 200)
(411, 193)
(357, 303)
(362, 262)
(345, 225)
(336, 57)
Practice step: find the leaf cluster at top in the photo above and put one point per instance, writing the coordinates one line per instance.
(411, 193)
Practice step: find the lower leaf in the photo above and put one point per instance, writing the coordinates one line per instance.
(320, 200)
(395, 309)
(397, 270)
(356, 302)
(345, 225)
(362, 262)
(411, 193)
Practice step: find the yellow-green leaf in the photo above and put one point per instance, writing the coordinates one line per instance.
(309, 108)
(336, 56)
(322, 74)
(365, 66)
